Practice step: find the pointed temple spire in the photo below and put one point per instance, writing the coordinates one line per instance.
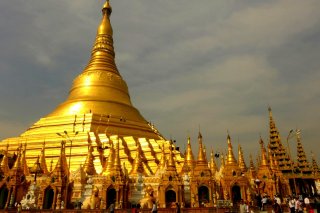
(202, 159)
(171, 166)
(17, 167)
(117, 163)
(110, 163)
(213, 165)
(43, 163)
(4, 166)
(264, 159)
(24, 161)
(61, 169)
(302, 163)
(137, 167)
(252, 169)
(100, 89)
(88, 166)
(185, 168)
(102, 55)
(276, 146)
(271, 158)
(222, 159)
(251, 163)
(315, 168)
(230, 156)
(36, 168)
(189, 156)
(202, 167)
(242, 164)
(163, 161)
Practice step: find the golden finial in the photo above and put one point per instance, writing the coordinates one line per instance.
(264, 160)
(201, 155)
(242, 163)
(107, 8)
(230, 157)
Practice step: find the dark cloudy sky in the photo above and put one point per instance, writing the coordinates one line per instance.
(213, 64)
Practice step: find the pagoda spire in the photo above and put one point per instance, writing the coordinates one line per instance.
(24, 161)
(61, 169)
(242, 164)
(102, 54)
(163, 160)
(251, 163)
(230, 156)
(189, 156)
(88, 166)
(4, 166)
(213, 165)
(137, 167)
(264, 160)
(110, 163)
(222, 159)
(276, 146)
(17, 167)
(252, 169)
(171, 163)
(117, 164)
(302, 162)
(315, 168)
(271, 158)
(202, 159)
(36, 168)
(185, 168)
(43, 163)
(202, 167)
(101, 90)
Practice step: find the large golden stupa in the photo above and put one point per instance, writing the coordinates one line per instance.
(95, 150)
(98, 106)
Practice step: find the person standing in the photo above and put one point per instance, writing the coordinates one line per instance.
(177, 208)
(154, 207)
(19, 207)
(307, 203)
(242, 207)
(111, 208)
(276, 207)
(291, 204)
(247, 206)
(264, 202)
(298, 206)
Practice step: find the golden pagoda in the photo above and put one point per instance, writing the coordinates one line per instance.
(96, 127)
(97, 107)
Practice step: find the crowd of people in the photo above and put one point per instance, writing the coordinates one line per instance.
(291, 204)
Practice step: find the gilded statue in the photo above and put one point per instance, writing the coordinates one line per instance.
(94, 201)
(147, 201)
